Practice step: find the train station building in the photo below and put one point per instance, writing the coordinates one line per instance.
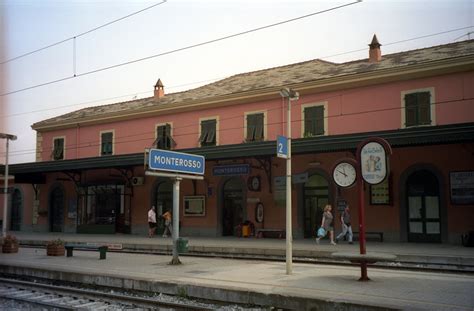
(90, 170)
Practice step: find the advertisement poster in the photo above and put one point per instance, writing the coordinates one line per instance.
(462, 187)
(373, 163)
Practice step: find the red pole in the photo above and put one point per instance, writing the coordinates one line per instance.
(360, 180)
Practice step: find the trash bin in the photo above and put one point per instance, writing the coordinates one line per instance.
(103, 251)
(182, 245)
(245, 231)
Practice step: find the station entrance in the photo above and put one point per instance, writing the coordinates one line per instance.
(232, 213)
(316, 196)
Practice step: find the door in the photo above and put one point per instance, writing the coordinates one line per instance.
(56, 210)
(164, 203)
(424, 223)
(232, 213)
(17, 202)
(316, 196)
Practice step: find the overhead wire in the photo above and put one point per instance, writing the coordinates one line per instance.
(123, 139)
(183, 48)
(81, 34)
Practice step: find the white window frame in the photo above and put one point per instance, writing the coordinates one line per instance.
(265, 135)
(217, 128)
(326, 119)
(64, 146)
(113, 141)
(432, 106)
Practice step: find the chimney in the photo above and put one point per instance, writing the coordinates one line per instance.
(375, 55)
(159, 89)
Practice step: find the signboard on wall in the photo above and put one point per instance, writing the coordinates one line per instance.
(231, 170)
(462, 187)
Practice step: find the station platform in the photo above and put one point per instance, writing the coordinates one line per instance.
(436, 256)
(310, 286)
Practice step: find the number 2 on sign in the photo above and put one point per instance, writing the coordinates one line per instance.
(280, 148)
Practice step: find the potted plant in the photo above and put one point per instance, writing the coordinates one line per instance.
(55, 248)
(10, 244)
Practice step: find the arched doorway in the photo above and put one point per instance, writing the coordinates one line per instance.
(233, 207)
(316, 196)
(56, 210)
(17, 204)
(423, 202)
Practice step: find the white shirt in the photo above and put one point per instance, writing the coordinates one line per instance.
(151, 216)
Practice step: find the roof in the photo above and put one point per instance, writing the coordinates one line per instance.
(261, 80)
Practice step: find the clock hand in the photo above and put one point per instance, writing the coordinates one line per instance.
(343, 173)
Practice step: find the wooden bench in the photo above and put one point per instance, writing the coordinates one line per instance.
(270, 233)
(369, 234)
(101, 248)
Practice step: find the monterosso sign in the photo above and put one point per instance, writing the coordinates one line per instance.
(164, 160)
(373, 163)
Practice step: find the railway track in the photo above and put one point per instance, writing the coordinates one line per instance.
(70, 298)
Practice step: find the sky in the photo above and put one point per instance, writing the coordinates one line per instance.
(28, 25)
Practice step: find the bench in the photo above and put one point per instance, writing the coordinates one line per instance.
(369, 234)
(270, 233)
(101, 248)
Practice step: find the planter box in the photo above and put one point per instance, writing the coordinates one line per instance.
(10, 248)
(55, 250)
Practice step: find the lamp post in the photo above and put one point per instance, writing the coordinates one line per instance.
(8, 137)
(290, 95)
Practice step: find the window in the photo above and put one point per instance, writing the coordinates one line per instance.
(58, 149)
(163, 137)
(255, 130)
(416, 108)
(106, 146)
(313, 121)
(208, 133)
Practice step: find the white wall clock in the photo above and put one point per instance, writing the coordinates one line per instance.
(344, 174)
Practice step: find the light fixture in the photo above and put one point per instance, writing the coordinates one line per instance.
(289, 93)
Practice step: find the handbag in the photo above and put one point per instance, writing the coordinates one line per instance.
(321, 232)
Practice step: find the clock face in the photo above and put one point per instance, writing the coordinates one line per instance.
(344, 174)
(255, 183)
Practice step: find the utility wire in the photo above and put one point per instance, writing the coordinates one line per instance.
(81, 34)
(130, 138)
(215, 79)
(184, 48)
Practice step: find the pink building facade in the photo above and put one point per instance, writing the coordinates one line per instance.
(91, 164)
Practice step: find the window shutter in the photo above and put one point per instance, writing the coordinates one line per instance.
(211, 136)
(251, 127)
(259, 127)
(314, 121)
(424, 108)
(411, 109)
(169, 142)
(319, 120)
(58, 149)
(107, 139)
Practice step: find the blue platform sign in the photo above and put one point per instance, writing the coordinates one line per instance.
(178, 162)
(282, 147)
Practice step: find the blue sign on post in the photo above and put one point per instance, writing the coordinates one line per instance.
(164, 160)
(282, 147)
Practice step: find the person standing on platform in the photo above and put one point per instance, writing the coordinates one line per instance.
(168, 227)
(151, 222)
(346, 225)
(326, 224)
